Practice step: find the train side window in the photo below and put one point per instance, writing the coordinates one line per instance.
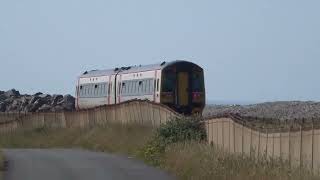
(145, 86)
(84, 90)
(88, 90)
(92, 90)
(102, 89)
(140, 88)
(123, 90)
(149, 86)
(131, 87)
(107, 89)
(157, 85)
(137, 87)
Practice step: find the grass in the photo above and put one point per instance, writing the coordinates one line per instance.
(1, 165)
(186, 160)
(195, 160)
(114, 139)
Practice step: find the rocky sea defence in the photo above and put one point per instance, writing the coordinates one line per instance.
(13, 101)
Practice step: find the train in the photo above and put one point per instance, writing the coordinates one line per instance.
(177, 84)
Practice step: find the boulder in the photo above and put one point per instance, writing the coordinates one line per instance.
(57, 109)
(3, 107)
(38, 94)
(36, 105)
(68, 102)
(11, 93)
(2, 97)
(55, 99)
(44, 108)
(13, 101)
(34, 99)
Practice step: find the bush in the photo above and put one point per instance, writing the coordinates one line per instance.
(174, 131)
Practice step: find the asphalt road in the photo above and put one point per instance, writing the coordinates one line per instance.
(73, 164)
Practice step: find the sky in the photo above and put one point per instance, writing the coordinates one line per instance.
(251, 50)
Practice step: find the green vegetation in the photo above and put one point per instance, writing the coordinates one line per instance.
(177, 147)
(174, 131)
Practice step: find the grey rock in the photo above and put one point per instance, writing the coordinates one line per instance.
(283, 110)
(38, 94)
(3, 107)
(44, 96)
(44, 108)
(57, 109)
(34, 99)
(12, 101)
(55, 99)
(2, 97)
(68, 102)
(12, 92)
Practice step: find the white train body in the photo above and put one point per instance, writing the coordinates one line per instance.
(106, 87)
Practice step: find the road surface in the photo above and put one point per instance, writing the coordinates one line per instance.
(73, 164)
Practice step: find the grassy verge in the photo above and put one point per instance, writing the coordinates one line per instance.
(177, 148)
(195, 160)
(1, 165)
(114, 138)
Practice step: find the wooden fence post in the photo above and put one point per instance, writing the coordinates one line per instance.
(242, 137)
(267, 143)
(234, 137)
(300, 161)
(290, 146)
(312, 146)
(259, 142)
(229, 146)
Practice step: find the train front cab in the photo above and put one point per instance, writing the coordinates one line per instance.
(182, 87)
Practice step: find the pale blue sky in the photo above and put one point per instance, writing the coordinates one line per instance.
(251, 50)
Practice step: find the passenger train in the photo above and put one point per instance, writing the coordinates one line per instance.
(177, 84)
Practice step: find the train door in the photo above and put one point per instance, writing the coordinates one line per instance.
(183, 85)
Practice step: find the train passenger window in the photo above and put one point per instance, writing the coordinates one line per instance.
(92, 90)
(102, 89)
(150, 86)
(131, 87)
(145, 86)
(107, 88)
(123, 90)
(140, 88)
(157, 85)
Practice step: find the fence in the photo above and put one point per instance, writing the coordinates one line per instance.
(299, 144)
(140, 112)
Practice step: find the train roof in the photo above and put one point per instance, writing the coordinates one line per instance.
(129, 69)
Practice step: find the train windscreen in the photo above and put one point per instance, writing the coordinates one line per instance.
(169, 82)
(197, 82)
